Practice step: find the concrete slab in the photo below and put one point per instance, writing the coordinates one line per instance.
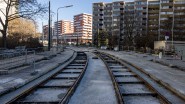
(123, 73)
(66, 75)
(127, 79)
(60, 82)
(141, 100)
(134, 89)
(120, 70)
(74, 67)
(46, 94)
(71, 70)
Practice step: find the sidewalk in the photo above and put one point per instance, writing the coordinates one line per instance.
(96, 86)
(164, 74)
(8, 65)
(166, 60)
(14, 80)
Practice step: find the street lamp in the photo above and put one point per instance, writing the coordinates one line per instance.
(57, 21)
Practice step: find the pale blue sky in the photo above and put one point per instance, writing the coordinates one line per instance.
(79, 6)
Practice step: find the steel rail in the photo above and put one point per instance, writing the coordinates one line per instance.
(116, 84)
(116, 88)
(45, 78)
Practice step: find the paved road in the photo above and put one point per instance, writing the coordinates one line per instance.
(96, 86)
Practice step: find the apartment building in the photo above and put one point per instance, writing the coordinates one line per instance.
(117, 20)
(179, 20)
(83, 27)
(45, 32)
(158, 18)
(128, 24)
(108, 17)
(172, 19)
(140, 14)
(153, 18)
(64, 26)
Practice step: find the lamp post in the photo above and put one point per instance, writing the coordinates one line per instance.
(77, 39)
(88, 38)
(57, 21)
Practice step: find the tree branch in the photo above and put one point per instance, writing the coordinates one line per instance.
(1, 22)
(2, 12)
(5, 1)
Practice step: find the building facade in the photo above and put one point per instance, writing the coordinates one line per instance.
(64, 26)
(157, 18)
(83, 27)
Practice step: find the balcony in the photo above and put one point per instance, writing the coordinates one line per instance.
(179, 5)
(167, 10)
(153, 27)
(153, 32)
(97, 12)
(153, 11)
(107, 13)
(179, 10)
(166, 15)
(179, 22)
(153, 6)
(153, 16)
(153, 22)
(179, 16)
(167, 4)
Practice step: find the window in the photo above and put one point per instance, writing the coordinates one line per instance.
(101, 14)
(115, 19)
(100, 19)
(165, 7)
(100, 9)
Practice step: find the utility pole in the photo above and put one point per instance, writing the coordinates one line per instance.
(97, 35)
(49, 31)
(57, 23)
(77, 40)
(42, 35)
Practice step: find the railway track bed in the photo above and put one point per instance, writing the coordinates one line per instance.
(57, 88)
(130, 87)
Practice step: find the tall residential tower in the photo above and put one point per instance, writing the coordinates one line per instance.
(83, 27)
(157, 18)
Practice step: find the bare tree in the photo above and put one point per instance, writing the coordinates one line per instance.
(95, 39)
(24, 27)
(129, 26)
(103, 38)
(166, 25)
(23, 9)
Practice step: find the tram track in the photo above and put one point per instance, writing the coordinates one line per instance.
(56, 87)
(134, 87)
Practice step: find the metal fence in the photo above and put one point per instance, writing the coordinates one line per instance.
(10, 59)
(14, 58)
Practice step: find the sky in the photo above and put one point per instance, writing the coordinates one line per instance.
(79, 6)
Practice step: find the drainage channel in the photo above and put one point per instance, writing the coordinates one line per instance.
(59, 87)
(130, 88)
